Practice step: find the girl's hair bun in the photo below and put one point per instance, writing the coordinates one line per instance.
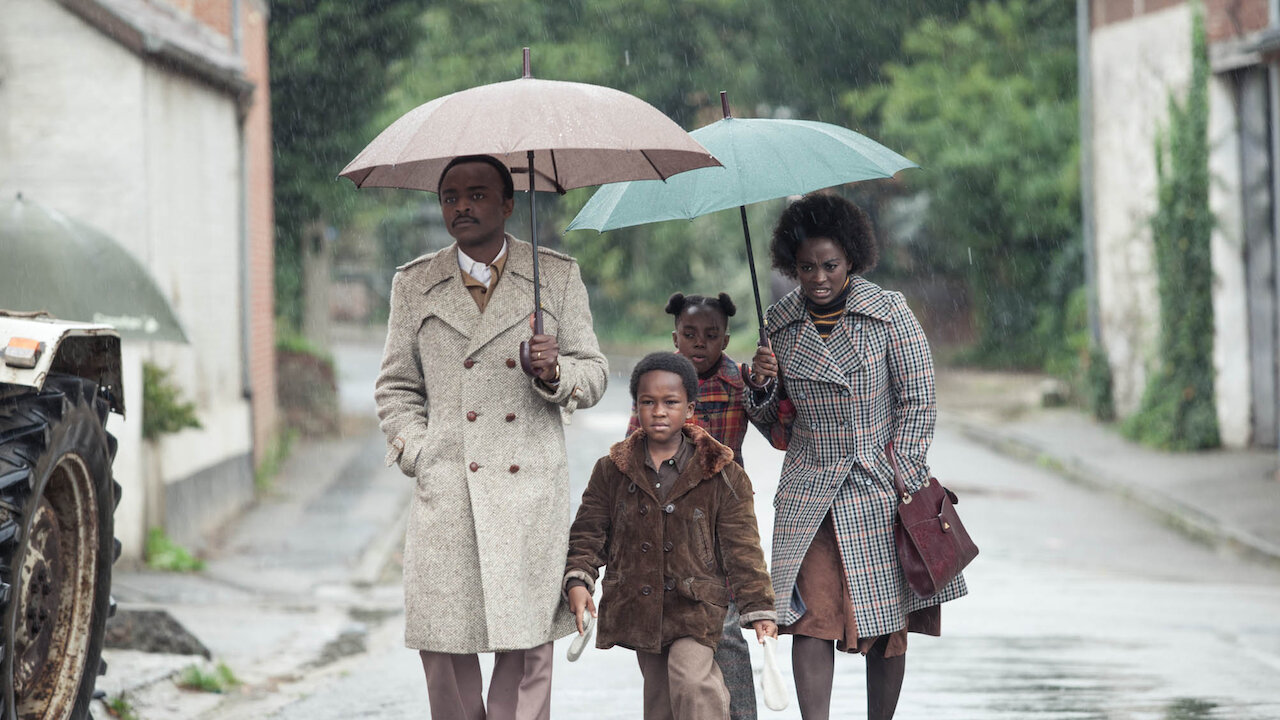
(726, 304)
(675, 304)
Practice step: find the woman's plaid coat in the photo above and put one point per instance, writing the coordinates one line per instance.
(870, 382)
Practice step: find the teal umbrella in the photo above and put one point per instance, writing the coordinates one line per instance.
(761, 159)
(74, 272)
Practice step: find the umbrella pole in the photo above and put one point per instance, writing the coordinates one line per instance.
(526, 358)
(755, 284)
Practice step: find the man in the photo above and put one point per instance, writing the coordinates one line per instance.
(489, 523)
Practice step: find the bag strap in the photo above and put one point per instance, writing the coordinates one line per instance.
(904, 497)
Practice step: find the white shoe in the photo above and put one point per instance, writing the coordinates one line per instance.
(775, 690)
(579, 642)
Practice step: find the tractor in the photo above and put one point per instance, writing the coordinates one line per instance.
(59, 380)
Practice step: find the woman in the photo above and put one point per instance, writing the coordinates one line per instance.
(853, 360)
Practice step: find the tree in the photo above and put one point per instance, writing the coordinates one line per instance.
(987, 106)
(329, 75)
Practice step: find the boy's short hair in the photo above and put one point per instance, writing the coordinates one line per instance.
(670, 362)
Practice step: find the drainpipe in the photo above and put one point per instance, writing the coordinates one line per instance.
(1273, 81)
(1085, 102)
(246, 285)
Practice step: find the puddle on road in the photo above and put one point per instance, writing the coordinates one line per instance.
(1067, 678)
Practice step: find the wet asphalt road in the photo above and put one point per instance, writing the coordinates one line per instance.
(1080, 607)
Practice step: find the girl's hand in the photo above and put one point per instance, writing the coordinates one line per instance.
(764, 365)
(764, 628)
(580, 599)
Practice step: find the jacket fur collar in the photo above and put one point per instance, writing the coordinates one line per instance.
(709, 457)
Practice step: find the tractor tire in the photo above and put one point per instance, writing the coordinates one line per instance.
(57, 545)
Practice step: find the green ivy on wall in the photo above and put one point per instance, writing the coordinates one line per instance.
(1177, 410)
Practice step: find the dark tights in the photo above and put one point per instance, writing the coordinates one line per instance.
(813, 665)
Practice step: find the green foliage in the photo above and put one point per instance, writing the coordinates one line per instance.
(273, 459)
(163, 409)
(293, 342)
(1177, 410)
(164, 554)
(987, 106)
(217, 680)
(329, 61)
(118, 706)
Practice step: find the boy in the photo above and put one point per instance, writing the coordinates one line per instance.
(671, 515)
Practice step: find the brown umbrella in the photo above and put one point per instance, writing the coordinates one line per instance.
(575, 134)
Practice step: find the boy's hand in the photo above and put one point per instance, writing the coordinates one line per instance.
(579, 599)
(764, 628)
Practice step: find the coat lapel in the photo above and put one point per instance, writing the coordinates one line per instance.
(448, 297)
(512, 299)
(808, 358)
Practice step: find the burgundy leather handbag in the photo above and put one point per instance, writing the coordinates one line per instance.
(933, 546)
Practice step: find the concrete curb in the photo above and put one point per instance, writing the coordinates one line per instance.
(378, 553)
(1190, 521)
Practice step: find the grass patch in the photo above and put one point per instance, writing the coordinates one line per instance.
(164, 554)
(120, 707)
(273, 459)
(218, 679)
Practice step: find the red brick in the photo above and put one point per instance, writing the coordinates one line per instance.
(257, 134)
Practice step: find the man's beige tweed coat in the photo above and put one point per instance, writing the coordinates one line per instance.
(489, 524)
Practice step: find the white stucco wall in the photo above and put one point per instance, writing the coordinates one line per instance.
(1135, 65)
(1231, 357)
(151, 158)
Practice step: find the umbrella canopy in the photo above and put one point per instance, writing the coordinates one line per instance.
(761, 159)
(75, 272)
(580, 135)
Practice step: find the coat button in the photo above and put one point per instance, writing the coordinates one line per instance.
(644, 547)
(511, 362)
(471, 415)
(468, 363)
(668, 546)
(511, 417)
(474, 467)
(670, 508)
(514, 469)
(644, 509)
(669, 584)
(646, 590)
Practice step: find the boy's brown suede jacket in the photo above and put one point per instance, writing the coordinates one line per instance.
(667, 562)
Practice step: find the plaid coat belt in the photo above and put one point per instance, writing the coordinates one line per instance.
(870, 382)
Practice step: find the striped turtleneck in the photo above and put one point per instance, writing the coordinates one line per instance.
(826, 316)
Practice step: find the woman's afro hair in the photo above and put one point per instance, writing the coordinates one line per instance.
(827, 216)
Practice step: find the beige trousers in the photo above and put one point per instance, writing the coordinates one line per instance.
(520, 688)
(683, 682)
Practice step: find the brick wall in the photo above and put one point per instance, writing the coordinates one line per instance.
(1226, 18)
(215, 14)
(261, 218)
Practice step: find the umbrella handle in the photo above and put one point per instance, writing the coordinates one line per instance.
(526, 359)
